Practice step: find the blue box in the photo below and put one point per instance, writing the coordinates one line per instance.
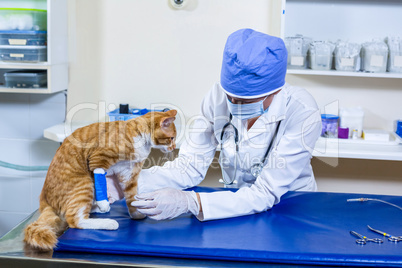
(399, 128)
(115, 115)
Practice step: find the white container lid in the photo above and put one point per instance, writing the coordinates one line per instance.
(22, 47)
(26, 73)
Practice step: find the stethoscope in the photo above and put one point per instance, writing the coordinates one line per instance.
(255, 169)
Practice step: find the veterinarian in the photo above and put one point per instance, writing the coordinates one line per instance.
(265, 128)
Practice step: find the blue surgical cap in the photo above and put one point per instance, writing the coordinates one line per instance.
(254, 64)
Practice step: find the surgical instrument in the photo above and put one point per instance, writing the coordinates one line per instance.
(363, 199)
(390, 237)
(363, 239)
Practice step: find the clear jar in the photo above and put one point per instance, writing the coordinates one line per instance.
(329, 125)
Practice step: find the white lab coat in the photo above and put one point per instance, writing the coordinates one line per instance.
(288, 167)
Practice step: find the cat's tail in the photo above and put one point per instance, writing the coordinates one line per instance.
(42, 234)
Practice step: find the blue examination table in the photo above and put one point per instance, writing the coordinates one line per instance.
(305, 228)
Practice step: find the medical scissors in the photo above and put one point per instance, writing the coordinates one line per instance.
(363, 240)
(390, 237)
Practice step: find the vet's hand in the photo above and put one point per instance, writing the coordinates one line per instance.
(167, 203)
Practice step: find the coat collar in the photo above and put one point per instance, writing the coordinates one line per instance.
(277, 109)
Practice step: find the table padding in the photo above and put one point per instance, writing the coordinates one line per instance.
(304, 228)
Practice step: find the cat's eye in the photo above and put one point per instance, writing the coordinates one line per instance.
(171, 138)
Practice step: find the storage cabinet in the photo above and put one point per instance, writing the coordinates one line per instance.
(56, 65)
(356, 21)
(348, 20)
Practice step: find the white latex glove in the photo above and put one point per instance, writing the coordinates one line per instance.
(167, 203)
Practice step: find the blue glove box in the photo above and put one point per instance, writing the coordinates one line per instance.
(23, 38)
(115, 115)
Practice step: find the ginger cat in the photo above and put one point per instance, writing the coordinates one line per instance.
(120, 147)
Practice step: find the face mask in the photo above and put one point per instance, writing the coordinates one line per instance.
(246, 111)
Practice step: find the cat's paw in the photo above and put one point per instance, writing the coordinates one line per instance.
(101, 206)
(110, 224)
(137, 215)
(98, 224)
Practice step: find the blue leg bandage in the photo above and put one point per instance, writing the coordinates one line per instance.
(100, 185)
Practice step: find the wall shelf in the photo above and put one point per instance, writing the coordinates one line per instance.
(331, 20)
(348, 20)
(59, 132)
(57, 56)
(25, 90)
(339, 73)
(33, 66)
(324, 148)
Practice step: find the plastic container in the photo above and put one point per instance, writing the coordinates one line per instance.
(23, 38)
(26, 79)
(374, 57)
(329, 125)
(321, 55)
(395, 54)
(297, 47)
(398, 127)
(352, 118)
(124, 108)
(347, 57)
(23, 19)
(343, 133)
(23, 53)
(115, 115)
(377, 135)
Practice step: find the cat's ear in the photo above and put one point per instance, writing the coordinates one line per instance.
(167, 121)
(171, 113)
(170, 117)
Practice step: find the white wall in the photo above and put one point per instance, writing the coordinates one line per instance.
(142, 52)
(359, 176)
